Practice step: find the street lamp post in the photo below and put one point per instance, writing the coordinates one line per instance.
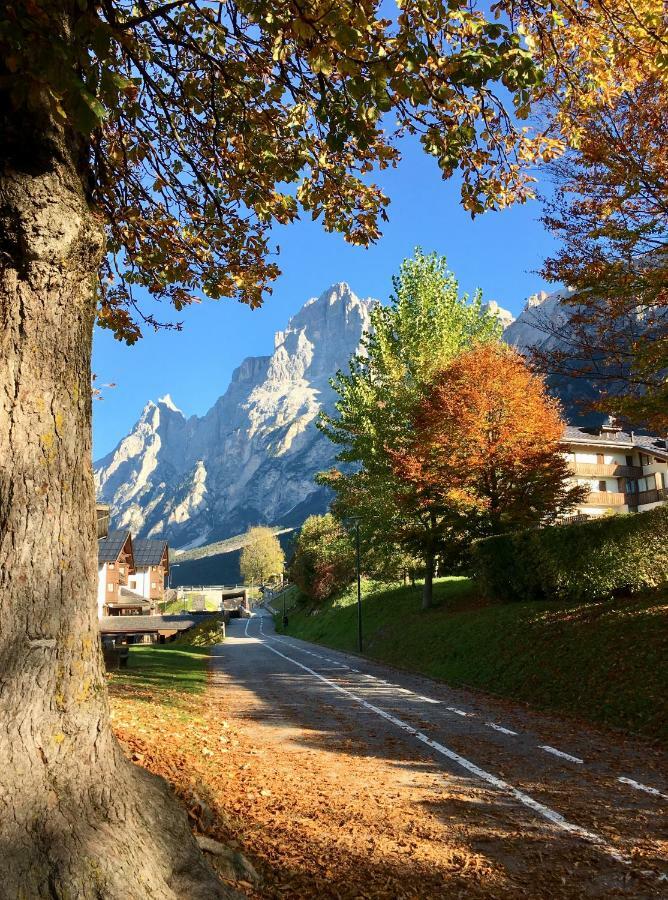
(169, 577)
(359, 586)
(285, 615)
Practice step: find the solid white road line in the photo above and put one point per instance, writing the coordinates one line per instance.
(460, 712)
(551, 815)
(500, 728)
(555, 752)
(642, 787)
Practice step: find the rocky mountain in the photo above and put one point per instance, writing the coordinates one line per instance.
(544, 324)
(251, 459)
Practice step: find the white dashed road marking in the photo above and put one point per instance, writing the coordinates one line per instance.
(555, 752)
(547, 813)
(550, 815)
(500, 728)
(642, 787)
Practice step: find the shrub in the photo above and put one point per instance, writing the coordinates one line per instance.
(323, 561)
(204, 634)
(583, 561)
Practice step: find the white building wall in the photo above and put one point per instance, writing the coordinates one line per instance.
(101, 588)
(609, 459)
(645, 506)
(142, 582)
(595, 484)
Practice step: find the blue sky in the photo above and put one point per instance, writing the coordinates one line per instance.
(498, 252)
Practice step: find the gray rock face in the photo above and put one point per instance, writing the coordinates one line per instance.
(251, 459)
(540, 322)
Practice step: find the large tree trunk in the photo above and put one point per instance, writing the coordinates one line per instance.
(76, 818)
(428, 586)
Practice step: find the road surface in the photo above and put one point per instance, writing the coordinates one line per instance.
(453, 793)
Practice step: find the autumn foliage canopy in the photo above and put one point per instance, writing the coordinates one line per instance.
(485, 444)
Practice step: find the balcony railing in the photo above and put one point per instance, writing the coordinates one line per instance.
(606, 498)
(609, 470)
(641, 498)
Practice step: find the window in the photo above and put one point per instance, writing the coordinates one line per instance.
(603, 486)
(599, 459)
(629, 459)
(110, 587)
(153, 584)
(112, 565)
(122, 570)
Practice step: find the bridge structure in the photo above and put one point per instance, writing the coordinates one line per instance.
(224, 597)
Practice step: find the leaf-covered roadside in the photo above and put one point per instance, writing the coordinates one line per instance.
(304, 837)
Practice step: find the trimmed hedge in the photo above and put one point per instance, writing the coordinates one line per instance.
(582, 561)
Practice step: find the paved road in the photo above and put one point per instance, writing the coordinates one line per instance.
(566, 805)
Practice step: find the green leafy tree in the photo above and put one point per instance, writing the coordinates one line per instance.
(323, 560)
(426, 324)
(261, 555)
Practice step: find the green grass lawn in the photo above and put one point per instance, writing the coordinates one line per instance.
(163, 672)
(290, 596)
(605, 661)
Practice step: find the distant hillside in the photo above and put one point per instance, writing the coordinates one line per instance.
(219, 547)
(216, 568)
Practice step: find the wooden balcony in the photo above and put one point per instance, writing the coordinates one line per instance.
(657, 495)
(606, 498)
(606, 470)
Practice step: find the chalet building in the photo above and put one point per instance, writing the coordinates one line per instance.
(151, 569)
(131, 574)
(624, 472)
(116, 563)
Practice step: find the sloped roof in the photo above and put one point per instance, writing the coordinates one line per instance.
(622, 439)
(109, 547)
(148, 553)
(128, 594)
(132, 624)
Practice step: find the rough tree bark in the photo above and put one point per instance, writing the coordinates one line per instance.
(76, 818)
(428, 586)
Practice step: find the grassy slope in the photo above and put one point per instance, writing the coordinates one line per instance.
(226, 546)
(602, 661)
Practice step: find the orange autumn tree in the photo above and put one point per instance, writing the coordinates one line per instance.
(484, 451)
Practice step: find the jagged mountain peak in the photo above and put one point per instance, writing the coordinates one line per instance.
(168, 403)
(252, 457)
(504, 316)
